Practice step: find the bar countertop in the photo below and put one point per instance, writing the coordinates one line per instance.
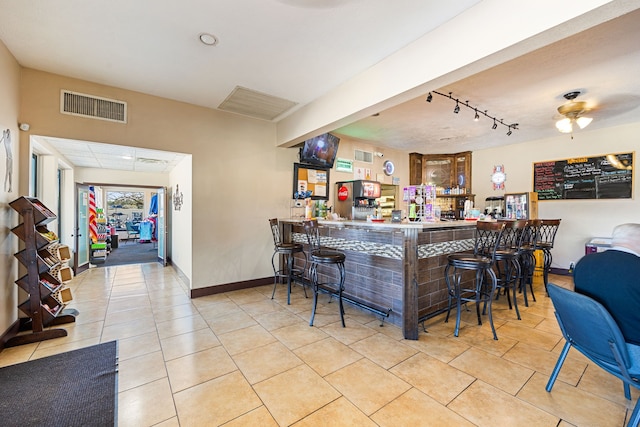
(388, 224)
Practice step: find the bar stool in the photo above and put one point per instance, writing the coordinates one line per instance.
(323, 256)
(528, 258)
(507, 260)
(487, 238)
(545, 238)
(288, 250)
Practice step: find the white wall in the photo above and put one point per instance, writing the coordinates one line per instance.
(581, 219)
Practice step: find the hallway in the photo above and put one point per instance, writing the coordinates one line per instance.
(242, 359)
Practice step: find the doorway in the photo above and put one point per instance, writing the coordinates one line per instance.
(118, 225)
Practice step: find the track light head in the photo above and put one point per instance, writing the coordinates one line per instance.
(457, 108)
(495, 125)
(477, 117)
(429, 97)
(509, 133)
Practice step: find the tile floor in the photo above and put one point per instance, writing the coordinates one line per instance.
(242, 359)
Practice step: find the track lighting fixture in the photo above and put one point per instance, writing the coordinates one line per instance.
(476, 117)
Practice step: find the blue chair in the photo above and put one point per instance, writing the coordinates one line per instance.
(590, 329)
(133, 231)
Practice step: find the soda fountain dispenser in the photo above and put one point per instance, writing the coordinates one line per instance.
(356, 200)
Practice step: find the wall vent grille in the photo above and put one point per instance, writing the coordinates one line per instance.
(95, 107)
(363, 156)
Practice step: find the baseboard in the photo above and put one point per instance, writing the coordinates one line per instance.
(218, 289)
(561, 271)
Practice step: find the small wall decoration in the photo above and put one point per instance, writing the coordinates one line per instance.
(498, 177)
(177, 199)
(8, 147)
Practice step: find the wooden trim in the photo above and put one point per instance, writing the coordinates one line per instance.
(227, 287)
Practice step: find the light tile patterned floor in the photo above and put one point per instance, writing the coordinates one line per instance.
(242, 359)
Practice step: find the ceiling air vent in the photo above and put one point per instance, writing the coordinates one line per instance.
(95, 107)
(255, 104)
(363, 156)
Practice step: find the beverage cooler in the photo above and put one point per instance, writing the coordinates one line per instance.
(356, 199)
(521, 205)
(388, 198)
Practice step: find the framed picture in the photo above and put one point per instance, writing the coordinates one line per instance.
(310, 178)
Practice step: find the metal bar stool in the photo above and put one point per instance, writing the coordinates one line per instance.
(323, 256)
(288, 250)
(487, 238)
(545, 239)
(507, 260)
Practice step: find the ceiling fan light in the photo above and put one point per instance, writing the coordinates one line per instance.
(564, 125)
(583, 122)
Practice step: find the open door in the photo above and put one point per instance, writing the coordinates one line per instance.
(161, 225)
(81, 229)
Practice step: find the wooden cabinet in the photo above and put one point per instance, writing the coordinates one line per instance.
(442, 170)
(450, 173)
(45, 277)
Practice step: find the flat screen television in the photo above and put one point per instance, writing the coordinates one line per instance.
(320, 150)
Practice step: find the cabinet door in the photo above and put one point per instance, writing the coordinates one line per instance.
(463, 170)
(438, 170)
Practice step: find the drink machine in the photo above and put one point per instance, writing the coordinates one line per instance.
(356, 199)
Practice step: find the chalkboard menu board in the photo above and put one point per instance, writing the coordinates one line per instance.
(600, 177)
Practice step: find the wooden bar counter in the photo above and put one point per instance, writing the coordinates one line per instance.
(397, 266)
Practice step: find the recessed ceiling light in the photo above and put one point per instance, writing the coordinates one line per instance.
(208, 39)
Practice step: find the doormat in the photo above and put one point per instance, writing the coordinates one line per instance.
(75, 388)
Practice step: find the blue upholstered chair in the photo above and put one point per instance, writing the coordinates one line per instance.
(590, 329)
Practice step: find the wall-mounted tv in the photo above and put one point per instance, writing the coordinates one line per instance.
(320, 150)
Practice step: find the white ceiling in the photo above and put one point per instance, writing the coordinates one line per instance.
(300, 50)
(108, 156)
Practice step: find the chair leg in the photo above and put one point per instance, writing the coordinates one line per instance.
(556, 369)
(634, 420)
(513, 284)
(547, 266)
(449, 292)
(314, 283)
(494, 282)
(275, 274)
(340, 288)
(289, 273)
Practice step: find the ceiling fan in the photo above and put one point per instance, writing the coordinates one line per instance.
(574, 113)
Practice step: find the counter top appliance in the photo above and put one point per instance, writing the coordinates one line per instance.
(356, 199)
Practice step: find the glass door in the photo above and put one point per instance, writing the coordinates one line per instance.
(161, 225)
(81, 229)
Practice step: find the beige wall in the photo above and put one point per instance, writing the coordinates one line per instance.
(9, 108)
(581, 219)
(346, 150)
(179, 221)
(238, 173)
